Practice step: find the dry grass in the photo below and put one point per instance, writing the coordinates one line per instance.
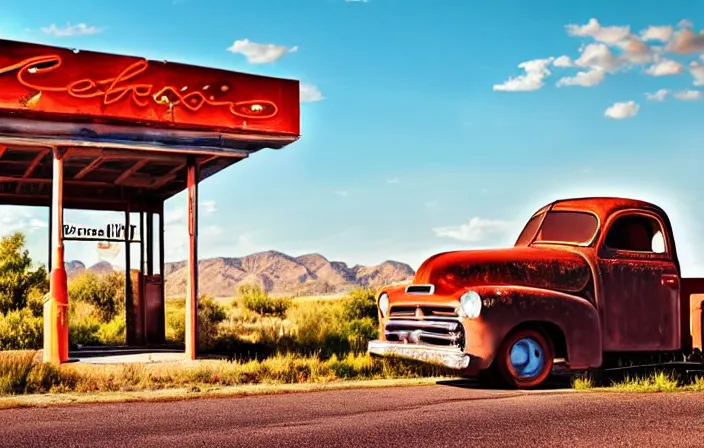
(656, 382)
(58, 399)
(22, 372)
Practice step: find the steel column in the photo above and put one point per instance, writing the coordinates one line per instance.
(162, 308)
(129, 305)
(56, 307)
(192, 292)
(150, 243)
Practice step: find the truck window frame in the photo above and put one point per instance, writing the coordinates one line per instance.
(589, 243)
(608, 252)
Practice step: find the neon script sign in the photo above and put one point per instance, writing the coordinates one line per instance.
(111, 232)
(126, 85)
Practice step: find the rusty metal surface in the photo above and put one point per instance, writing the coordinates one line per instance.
(528, 266)
(42, 80)
(589, 298)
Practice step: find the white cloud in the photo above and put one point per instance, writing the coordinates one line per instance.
(177, 216)
(395, 180)
(209, 207)
(657, 96)
(696, 69)
(584, 79)
(659, 33)
(535, 71)
(209, 235)
(310, 94)
(474, 231)
(619, 111)
(71, 30)
(343, 193)
(19, 219)
(665, 67)
(598, 56)
(686, 41)
(562, 61)
(688, 95)
(635, 51)
(260, 53)
(685, 23)
(611, 35)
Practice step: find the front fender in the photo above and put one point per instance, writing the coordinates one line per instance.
(506, 307)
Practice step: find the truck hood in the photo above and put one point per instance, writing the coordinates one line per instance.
(548, 268)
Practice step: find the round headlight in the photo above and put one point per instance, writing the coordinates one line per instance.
(471, 304)
(383, 304)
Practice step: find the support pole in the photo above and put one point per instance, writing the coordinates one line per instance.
(129, 305)
(56, 306)
(192, 293)
(142, 247)
(51, 238)
(162, 258)
(150, 243)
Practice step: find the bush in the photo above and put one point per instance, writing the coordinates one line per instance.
(210, 315)
(22, 373)
(255, 299)
(113, 332)
(21, 330)
(361, 303)
(106, 293)
(17, 278)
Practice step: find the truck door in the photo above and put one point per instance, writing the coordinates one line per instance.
(640, 284)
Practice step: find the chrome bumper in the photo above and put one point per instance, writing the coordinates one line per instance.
(452, 358)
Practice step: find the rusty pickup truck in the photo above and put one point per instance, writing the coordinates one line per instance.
(590, 283)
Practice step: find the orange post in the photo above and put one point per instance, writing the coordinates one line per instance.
(192, 293)
(56, 305)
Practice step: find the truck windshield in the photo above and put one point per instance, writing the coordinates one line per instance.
(559, 227)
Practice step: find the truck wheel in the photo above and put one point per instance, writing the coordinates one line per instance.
(525, 359)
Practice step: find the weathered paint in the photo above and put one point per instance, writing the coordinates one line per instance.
(39, 80)
(600, 300)
(525, 266)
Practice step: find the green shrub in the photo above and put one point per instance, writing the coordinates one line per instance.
(35, 301)
(210, 315)
(361, 303)
(106, 293)
(21, 330)
(176, 320)
(113, 332)
(359, 332)
(255, 299)
(17, 278)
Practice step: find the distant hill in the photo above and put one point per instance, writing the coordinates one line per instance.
(276, 272)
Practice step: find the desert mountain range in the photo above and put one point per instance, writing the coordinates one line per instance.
(278, 273)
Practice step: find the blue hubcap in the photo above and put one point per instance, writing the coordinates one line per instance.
(527, 358)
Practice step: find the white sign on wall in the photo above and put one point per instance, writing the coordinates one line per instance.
(114, 232)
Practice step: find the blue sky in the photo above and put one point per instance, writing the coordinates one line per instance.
(413, 141)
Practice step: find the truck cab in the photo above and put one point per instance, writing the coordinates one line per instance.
(589, 282)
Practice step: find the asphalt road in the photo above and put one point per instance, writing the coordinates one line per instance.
(431, 416)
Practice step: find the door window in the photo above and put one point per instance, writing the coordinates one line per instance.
(636, 233)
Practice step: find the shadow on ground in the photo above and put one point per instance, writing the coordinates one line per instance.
(553, 383)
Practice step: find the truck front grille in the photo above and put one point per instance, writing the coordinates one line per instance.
(434, 332)
(424, 310)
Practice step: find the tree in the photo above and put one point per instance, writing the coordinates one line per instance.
(17, 278)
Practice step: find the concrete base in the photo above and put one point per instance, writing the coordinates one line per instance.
(137, 358)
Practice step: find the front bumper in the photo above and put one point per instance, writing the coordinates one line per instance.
(450, 357)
